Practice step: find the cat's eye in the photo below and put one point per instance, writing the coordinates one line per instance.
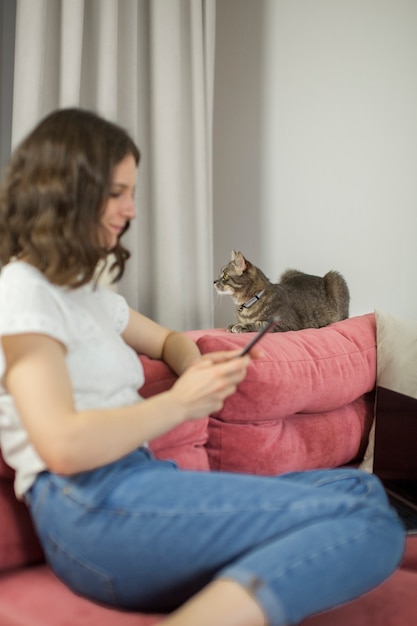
(225, 276)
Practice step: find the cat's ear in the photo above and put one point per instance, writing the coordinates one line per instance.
(240, 261)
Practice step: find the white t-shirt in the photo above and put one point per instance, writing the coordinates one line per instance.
(104, 370)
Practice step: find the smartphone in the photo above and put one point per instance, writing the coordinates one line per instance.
(258, 335)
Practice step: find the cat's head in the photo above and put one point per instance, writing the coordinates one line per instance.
(240, 279)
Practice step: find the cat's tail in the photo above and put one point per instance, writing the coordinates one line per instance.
(337, 292)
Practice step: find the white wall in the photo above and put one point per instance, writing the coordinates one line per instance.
(328, 165)
(237, 125)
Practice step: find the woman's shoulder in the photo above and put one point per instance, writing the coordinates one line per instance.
(21, 282)
(22, 272)
(24, 292)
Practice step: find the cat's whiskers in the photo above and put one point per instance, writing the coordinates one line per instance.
(217, 300)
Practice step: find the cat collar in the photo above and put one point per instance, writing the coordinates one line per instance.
(252, 301)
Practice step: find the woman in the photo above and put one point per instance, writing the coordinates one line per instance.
(117, 525)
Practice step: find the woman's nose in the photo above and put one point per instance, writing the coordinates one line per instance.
(129, 210)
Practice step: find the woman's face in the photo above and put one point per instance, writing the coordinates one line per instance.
(120, 206)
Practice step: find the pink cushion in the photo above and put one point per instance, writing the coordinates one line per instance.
(33, 596)
(297, 442)
(305, 371)
(185, 444)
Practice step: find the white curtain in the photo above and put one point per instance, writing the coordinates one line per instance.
(149, 65)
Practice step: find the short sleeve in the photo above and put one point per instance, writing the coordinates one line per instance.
(27, 304)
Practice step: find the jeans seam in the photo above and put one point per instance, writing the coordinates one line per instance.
(56, 544)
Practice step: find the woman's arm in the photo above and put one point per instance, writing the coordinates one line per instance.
(147, 337)
(71, 441)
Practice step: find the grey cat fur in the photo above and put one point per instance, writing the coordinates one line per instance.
(299, 300)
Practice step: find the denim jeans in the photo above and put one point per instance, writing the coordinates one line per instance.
(142, 534)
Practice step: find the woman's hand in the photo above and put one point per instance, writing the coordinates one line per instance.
(204, 387)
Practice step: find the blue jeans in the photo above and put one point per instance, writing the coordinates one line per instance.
(142, 534)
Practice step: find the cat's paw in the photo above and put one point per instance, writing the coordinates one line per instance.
(237, 328)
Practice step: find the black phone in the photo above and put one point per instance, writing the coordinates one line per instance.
(258, 335)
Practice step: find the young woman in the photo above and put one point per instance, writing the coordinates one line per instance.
(117, 525)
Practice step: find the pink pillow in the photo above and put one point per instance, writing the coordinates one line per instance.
(305, 371)
(297, 442)
(184, 444)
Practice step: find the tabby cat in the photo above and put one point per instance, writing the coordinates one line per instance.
(299, 300)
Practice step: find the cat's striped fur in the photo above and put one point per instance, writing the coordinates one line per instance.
(299, 300)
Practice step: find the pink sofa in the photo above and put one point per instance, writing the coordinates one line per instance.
(307, 403)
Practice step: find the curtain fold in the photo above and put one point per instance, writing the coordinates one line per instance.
(149, 65)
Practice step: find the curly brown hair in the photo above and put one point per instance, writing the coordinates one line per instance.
(55, 190)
